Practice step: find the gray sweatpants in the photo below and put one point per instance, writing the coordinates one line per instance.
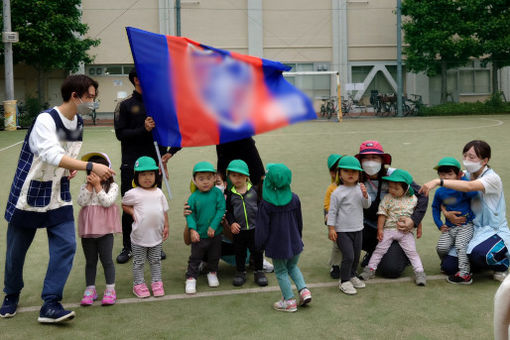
(142, 254)
(98, 247)
(458, 237)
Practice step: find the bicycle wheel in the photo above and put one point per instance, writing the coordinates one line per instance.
(407, 110)
(323, 111)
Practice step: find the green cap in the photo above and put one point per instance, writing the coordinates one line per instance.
(238, 166)
(399, 175)
(203, 167)
(276, 188)
(448, 161)
(332, 159)
(349, 162)
(145, 163)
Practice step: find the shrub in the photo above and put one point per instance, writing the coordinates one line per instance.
(493, 105)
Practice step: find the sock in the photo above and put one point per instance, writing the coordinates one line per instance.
(112, 286)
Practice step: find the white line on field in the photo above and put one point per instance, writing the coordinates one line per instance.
(232, 292)
(10, 146)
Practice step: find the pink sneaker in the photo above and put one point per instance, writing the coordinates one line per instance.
(88, 297)
(157, 288)
(109, 297)
(141, 291)
(305, 297)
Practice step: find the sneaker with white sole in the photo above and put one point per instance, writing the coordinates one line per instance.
(191, 286)
(267, 266)
(212, 279)
(420, 278)
(305, 297)
(500, 276)
(285, 305)
(347, 288)
(367, 274)
(357, 283)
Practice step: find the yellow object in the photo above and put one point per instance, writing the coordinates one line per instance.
(10, 115)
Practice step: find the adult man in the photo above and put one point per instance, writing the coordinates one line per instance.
(133, 130)
(40, 197)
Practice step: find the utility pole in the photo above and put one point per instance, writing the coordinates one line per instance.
(8, 38)
(399, 58)
(178, 17)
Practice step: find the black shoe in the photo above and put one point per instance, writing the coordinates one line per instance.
(9, 306)
(334, 272)
(239, 279)
(124, 256)
(260, 278)
(163, 255)
(460, 279)
(53, 312)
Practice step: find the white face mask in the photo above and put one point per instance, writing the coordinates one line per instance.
(472, 167)
(221, 187)
(84, 108)
(371, 167)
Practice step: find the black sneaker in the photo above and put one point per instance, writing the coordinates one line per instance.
(239, 279)
(9, 306)
(124, 256)
(458, 279)
(53, 312)
(163, 255)
(260, 278)
(334, 272)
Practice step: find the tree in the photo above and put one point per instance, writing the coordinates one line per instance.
(437, 36)
(50, 36)
(491, 24)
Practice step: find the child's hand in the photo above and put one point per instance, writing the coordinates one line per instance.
(235, 228)
(165, 232)
(210, 232)
(444, 228)
(363, 190)
(380, 235)
(195, 237)
(95, 181)
(332, 235)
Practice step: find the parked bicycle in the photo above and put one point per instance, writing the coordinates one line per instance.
(350, 107)
(385, 104)
(329, 107)
(412, 105)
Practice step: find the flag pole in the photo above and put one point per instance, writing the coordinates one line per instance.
(163, 171)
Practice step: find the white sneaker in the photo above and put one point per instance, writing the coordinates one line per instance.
(191, 286)
(500, 276)
(267, 266)
(357, 283)
(212, 280)
(347, 288)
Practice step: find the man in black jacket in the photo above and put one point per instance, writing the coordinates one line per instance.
(133, 129)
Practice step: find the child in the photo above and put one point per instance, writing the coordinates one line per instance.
(400, 201)
(279, 231)
(335, 257)
(207, 206)
(148, 206)
(97, 222)
(242, 207)
(451, 234)
(345, 221)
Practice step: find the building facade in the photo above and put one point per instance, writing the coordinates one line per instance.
(357, 38)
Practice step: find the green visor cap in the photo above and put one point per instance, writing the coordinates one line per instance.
(448, 161)
(238, 166)
(145, 163)
(276, 189)
(400, 175)
(203, 167)
(349, 162)
(332, 159)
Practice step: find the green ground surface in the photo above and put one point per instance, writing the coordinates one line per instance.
(386, 310)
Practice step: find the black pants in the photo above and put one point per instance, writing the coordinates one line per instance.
(393, 262)
(243, 241)
(209, 246)
(349, 244)
(102, 247)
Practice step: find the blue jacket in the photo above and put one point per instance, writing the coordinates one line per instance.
(279, 229)
(452, 200)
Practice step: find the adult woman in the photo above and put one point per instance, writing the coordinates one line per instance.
(375, 163)
(488, 247)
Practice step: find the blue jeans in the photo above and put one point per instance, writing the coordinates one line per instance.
(62, 246)
(284, 268)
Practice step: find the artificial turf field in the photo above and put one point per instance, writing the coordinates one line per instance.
(385, 309)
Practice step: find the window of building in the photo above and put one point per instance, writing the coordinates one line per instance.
(108, 70)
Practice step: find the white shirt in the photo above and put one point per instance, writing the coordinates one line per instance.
(150, 207)
(44, 141)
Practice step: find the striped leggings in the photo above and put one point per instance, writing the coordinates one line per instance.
(142, 254)
(458, 237)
